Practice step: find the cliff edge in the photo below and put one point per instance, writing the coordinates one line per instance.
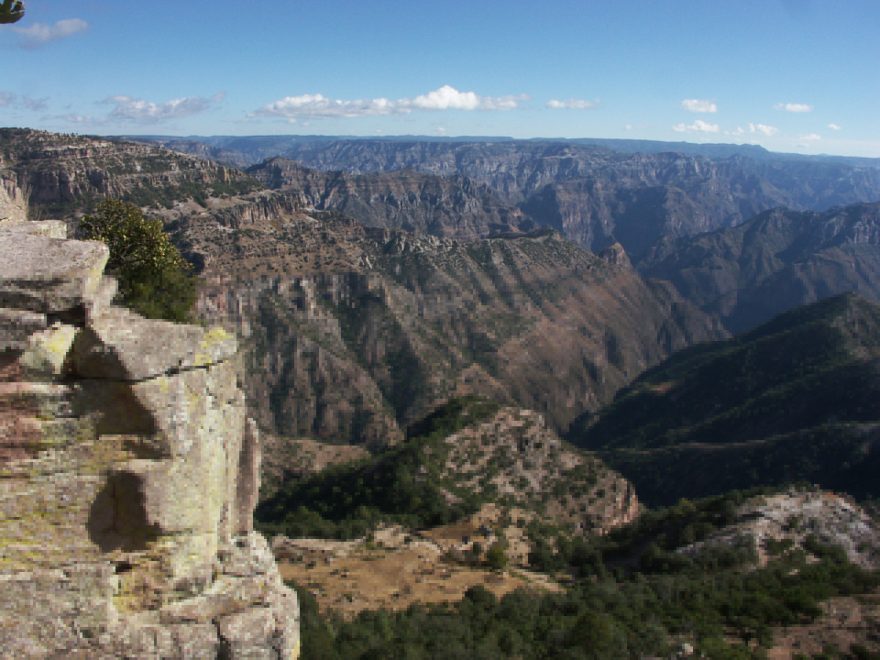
(128, 474)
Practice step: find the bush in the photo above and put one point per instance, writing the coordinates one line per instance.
(496, 557)
(154, 279)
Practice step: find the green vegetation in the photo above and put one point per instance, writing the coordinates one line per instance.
(792, 400)
(400, 485)
(648, 544)
(453, 416)
(154, 279)
(632, 597)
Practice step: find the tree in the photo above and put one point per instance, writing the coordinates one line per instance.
(496, 557)
(154, 279)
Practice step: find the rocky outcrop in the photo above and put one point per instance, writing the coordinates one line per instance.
(128, 475)
(65, 174)
(792, 520)
(13, 206)
(521, 461)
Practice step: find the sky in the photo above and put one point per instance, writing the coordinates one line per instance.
(791, 75)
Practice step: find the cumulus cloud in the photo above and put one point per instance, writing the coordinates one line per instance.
(571, 104)
(449, 98)
(810, 137)
(835, 127)
(699, 126)
(318, 106)
(794, 107)
(41, 33)
(699, 105)
(763, 129)
(135, 110)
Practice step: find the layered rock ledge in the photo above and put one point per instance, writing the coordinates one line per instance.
(128, 474)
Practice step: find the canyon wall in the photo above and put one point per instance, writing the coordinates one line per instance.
(128, 474)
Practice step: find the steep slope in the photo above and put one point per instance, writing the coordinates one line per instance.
(423, 203)
(473, 454)
(795, 399)
(356, 330)
(596, 195)
(63, 174)
(776, 261)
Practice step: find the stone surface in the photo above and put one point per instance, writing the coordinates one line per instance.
(44, 228)
(13, 205)
(49, 275)
(118, 344)
(128, 477)
(17, 325)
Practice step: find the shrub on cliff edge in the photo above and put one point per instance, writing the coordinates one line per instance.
(154, 279)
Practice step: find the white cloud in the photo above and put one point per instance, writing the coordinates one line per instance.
(40, 33)
(764, 129)
(699, 105)
(699, 126)
(444, 98)
(6, 99)
(810, 137)
(141, 111)
(571, 104)
(318, 106)
(835, 127)
(794, 107)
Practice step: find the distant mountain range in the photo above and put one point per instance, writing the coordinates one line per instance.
(595, 192)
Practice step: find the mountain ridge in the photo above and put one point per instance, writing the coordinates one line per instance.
(794, 399)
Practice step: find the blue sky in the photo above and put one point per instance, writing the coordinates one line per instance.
(791, 75)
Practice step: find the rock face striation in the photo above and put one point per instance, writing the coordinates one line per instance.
(128, 474)
(776, 261)
(595, 195)
(67, 174)
(452, 206)
(359, 331)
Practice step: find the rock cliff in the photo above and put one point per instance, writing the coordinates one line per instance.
(357, 331)
(128, 474)
(451, 206)
(65, 173)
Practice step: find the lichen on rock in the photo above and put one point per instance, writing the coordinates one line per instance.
(128, 475)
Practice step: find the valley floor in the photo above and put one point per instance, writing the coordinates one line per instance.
(392, 571)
